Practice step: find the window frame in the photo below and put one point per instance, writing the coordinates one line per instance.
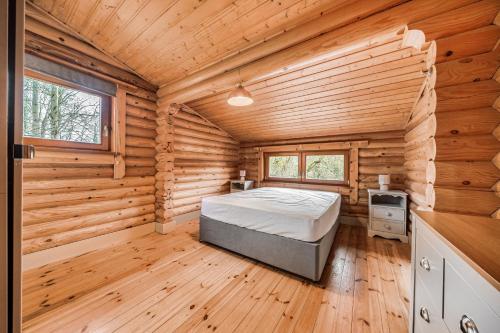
(106, 112)
(302, 155)
(266, 167)
(326, 152)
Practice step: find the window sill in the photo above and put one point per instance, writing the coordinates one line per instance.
(45, 155)
(307, 182)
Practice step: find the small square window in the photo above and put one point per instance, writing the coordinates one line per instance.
(325, 167)
(56, 114)
(284, 166)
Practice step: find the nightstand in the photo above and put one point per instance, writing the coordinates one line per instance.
(239, 185)
(387, 211)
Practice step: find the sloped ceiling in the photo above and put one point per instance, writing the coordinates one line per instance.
(165, 40)
(370, 89)
(365, 90)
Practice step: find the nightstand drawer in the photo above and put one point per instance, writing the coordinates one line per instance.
(388, 226)
(387, 213)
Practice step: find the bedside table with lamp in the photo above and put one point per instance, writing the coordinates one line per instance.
(241, 184)
(387, 211)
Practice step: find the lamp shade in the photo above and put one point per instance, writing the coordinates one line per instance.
(240, 97)
(384, 181)
(243, 173)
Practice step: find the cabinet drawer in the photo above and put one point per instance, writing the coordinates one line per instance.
(460, 300)
(427, 315)
(387, 213)
(429, 268)
(388, 226)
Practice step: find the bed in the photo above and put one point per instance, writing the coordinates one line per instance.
(287, 228)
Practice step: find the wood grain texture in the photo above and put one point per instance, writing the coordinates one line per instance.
(382, 154)
(69, 195)
(204, 159)
(466, 91)
(364, 89)
(176, 283)
(147, 35)
(420, 151)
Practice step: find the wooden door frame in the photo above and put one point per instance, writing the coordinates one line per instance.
(11, 87)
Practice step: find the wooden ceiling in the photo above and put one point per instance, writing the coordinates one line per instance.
(198, 47)
(369, 89)
(166, 40)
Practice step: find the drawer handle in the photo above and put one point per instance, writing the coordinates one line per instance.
(424, 313)
(389, 214)
(424, 263)
(468, 325)
(388, 227)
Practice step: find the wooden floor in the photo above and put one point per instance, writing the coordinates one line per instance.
(174, 283)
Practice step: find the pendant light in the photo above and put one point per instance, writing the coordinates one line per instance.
(240, 97)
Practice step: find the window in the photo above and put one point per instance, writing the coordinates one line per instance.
(60, 114)
(283, 166)
(325, 167)
(308, 167)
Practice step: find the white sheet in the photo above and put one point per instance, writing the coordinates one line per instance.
(299, 214)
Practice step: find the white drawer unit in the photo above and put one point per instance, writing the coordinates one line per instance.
(387, 214)
(449, 292)
(240, 185)
(429, 268)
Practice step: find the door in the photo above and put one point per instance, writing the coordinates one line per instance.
(11, 88)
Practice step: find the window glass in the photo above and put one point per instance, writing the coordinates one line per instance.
(56, 112)
(284, 166)
(325, 167)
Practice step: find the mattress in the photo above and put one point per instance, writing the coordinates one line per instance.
(298, 214)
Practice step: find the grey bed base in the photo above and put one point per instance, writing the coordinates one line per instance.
(302, 258)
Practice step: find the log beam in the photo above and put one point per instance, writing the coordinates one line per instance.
(165, 168)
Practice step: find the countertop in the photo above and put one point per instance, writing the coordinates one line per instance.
(474, 238)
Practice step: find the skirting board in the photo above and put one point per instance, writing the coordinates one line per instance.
(187, 217)
(44, 257)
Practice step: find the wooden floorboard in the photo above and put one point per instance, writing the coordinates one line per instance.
(173, 283)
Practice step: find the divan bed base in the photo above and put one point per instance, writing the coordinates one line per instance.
(306, 259)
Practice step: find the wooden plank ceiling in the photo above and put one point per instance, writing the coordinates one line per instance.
(370, 89)
(361, 90)
(165, 40)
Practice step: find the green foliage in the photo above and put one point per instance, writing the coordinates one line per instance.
(54, 112)
(284, 166)
(325, 167)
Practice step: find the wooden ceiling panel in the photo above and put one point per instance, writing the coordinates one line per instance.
(330, 82)
(369, 89)
(166, 40)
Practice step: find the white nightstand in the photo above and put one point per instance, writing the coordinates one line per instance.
(238, 185)
(387, 211)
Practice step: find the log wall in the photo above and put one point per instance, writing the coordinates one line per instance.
(384, 154)
(205, 159)
(67, 201)
(467, 112)
(420, 149)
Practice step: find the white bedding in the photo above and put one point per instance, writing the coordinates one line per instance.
(299, 214)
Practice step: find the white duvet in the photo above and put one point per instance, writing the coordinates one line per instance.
(299, 214)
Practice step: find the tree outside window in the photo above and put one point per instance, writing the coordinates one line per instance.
(55, 113)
